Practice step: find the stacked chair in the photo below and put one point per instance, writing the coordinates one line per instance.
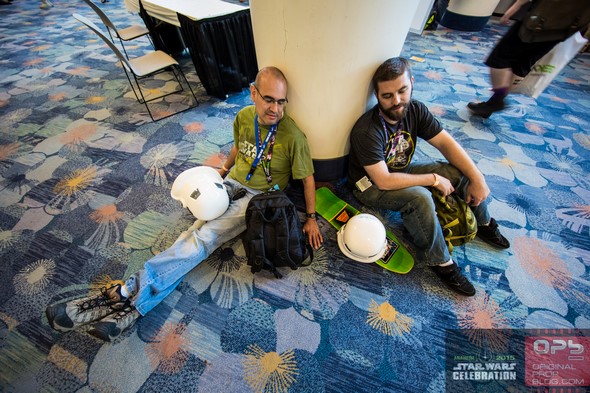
(126, 34)
(141, 67)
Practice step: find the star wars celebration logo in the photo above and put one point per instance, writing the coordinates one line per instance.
(496, 370)
(536, 360)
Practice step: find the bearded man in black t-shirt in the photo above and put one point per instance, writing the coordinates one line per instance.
(382, 144)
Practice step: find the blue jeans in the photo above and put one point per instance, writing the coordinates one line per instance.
(162, 273)
(418, 211)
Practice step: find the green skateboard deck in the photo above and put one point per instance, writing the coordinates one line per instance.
(337, 212)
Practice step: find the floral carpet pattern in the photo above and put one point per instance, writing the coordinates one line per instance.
(85, 179)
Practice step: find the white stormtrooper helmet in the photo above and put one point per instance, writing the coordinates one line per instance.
(363, 238)
(202, 191)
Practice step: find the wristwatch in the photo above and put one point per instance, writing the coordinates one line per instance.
(310, 215)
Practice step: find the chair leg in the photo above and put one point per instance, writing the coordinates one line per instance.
(188, 84)
(176, 71)
(124, 50)
(143, 100)
(151, 42)
(123, 45)
(121, 41)
(178, 80)
(177, 68)
(131, 83)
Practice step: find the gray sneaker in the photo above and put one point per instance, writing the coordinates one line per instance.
(66, 316)
(111, 327)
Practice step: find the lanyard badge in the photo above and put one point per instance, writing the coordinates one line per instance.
(260, 147)
(393, 140)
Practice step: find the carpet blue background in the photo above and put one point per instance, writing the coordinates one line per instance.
(85, 181)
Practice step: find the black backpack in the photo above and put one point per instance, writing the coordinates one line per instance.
(274, 234)
(551, 20)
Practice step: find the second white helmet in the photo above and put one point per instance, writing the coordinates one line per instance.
(202, 191)
(363, 238)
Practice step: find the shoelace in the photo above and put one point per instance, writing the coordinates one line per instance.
(102, 299)
(123, 313)
(93, 302)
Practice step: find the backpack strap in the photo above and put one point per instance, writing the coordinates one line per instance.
(257, 258)
(448, 233)
(287, 241)
(278, 216)
(284, 241)
(294, 241)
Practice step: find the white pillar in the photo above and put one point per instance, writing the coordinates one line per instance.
(468, 15)
(329, 50)
(473, 8)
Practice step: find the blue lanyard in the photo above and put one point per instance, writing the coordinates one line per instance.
(393, 141)
(260, 150)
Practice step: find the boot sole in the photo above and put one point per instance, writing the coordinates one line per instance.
(486, 114)
(482, 115)
(52, 313)
(102, 331)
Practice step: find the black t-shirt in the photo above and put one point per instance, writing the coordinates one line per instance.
(369, 142)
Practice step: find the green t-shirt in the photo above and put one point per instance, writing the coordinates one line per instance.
(290, 155)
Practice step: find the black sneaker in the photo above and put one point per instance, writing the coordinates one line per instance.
(111, 327)
(491, 234)
(66, 316)
(454, 278)
(485, 109)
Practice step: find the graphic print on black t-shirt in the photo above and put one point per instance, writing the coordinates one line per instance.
(403, 152)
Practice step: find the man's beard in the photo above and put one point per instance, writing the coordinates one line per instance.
(393, 114)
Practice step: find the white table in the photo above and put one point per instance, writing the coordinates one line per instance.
(166, 10)
(218, 35)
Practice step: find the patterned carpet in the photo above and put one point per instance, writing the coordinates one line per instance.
(85, 182)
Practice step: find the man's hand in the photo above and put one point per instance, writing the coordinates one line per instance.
(476, 193)
(310, 228)
(477, 189)
(314, 237)
(444, 186)
(505, 19)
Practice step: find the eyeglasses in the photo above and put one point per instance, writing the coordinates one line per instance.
(269, 100)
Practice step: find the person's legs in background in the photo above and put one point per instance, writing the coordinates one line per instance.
(500, 62)
(510, 61)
